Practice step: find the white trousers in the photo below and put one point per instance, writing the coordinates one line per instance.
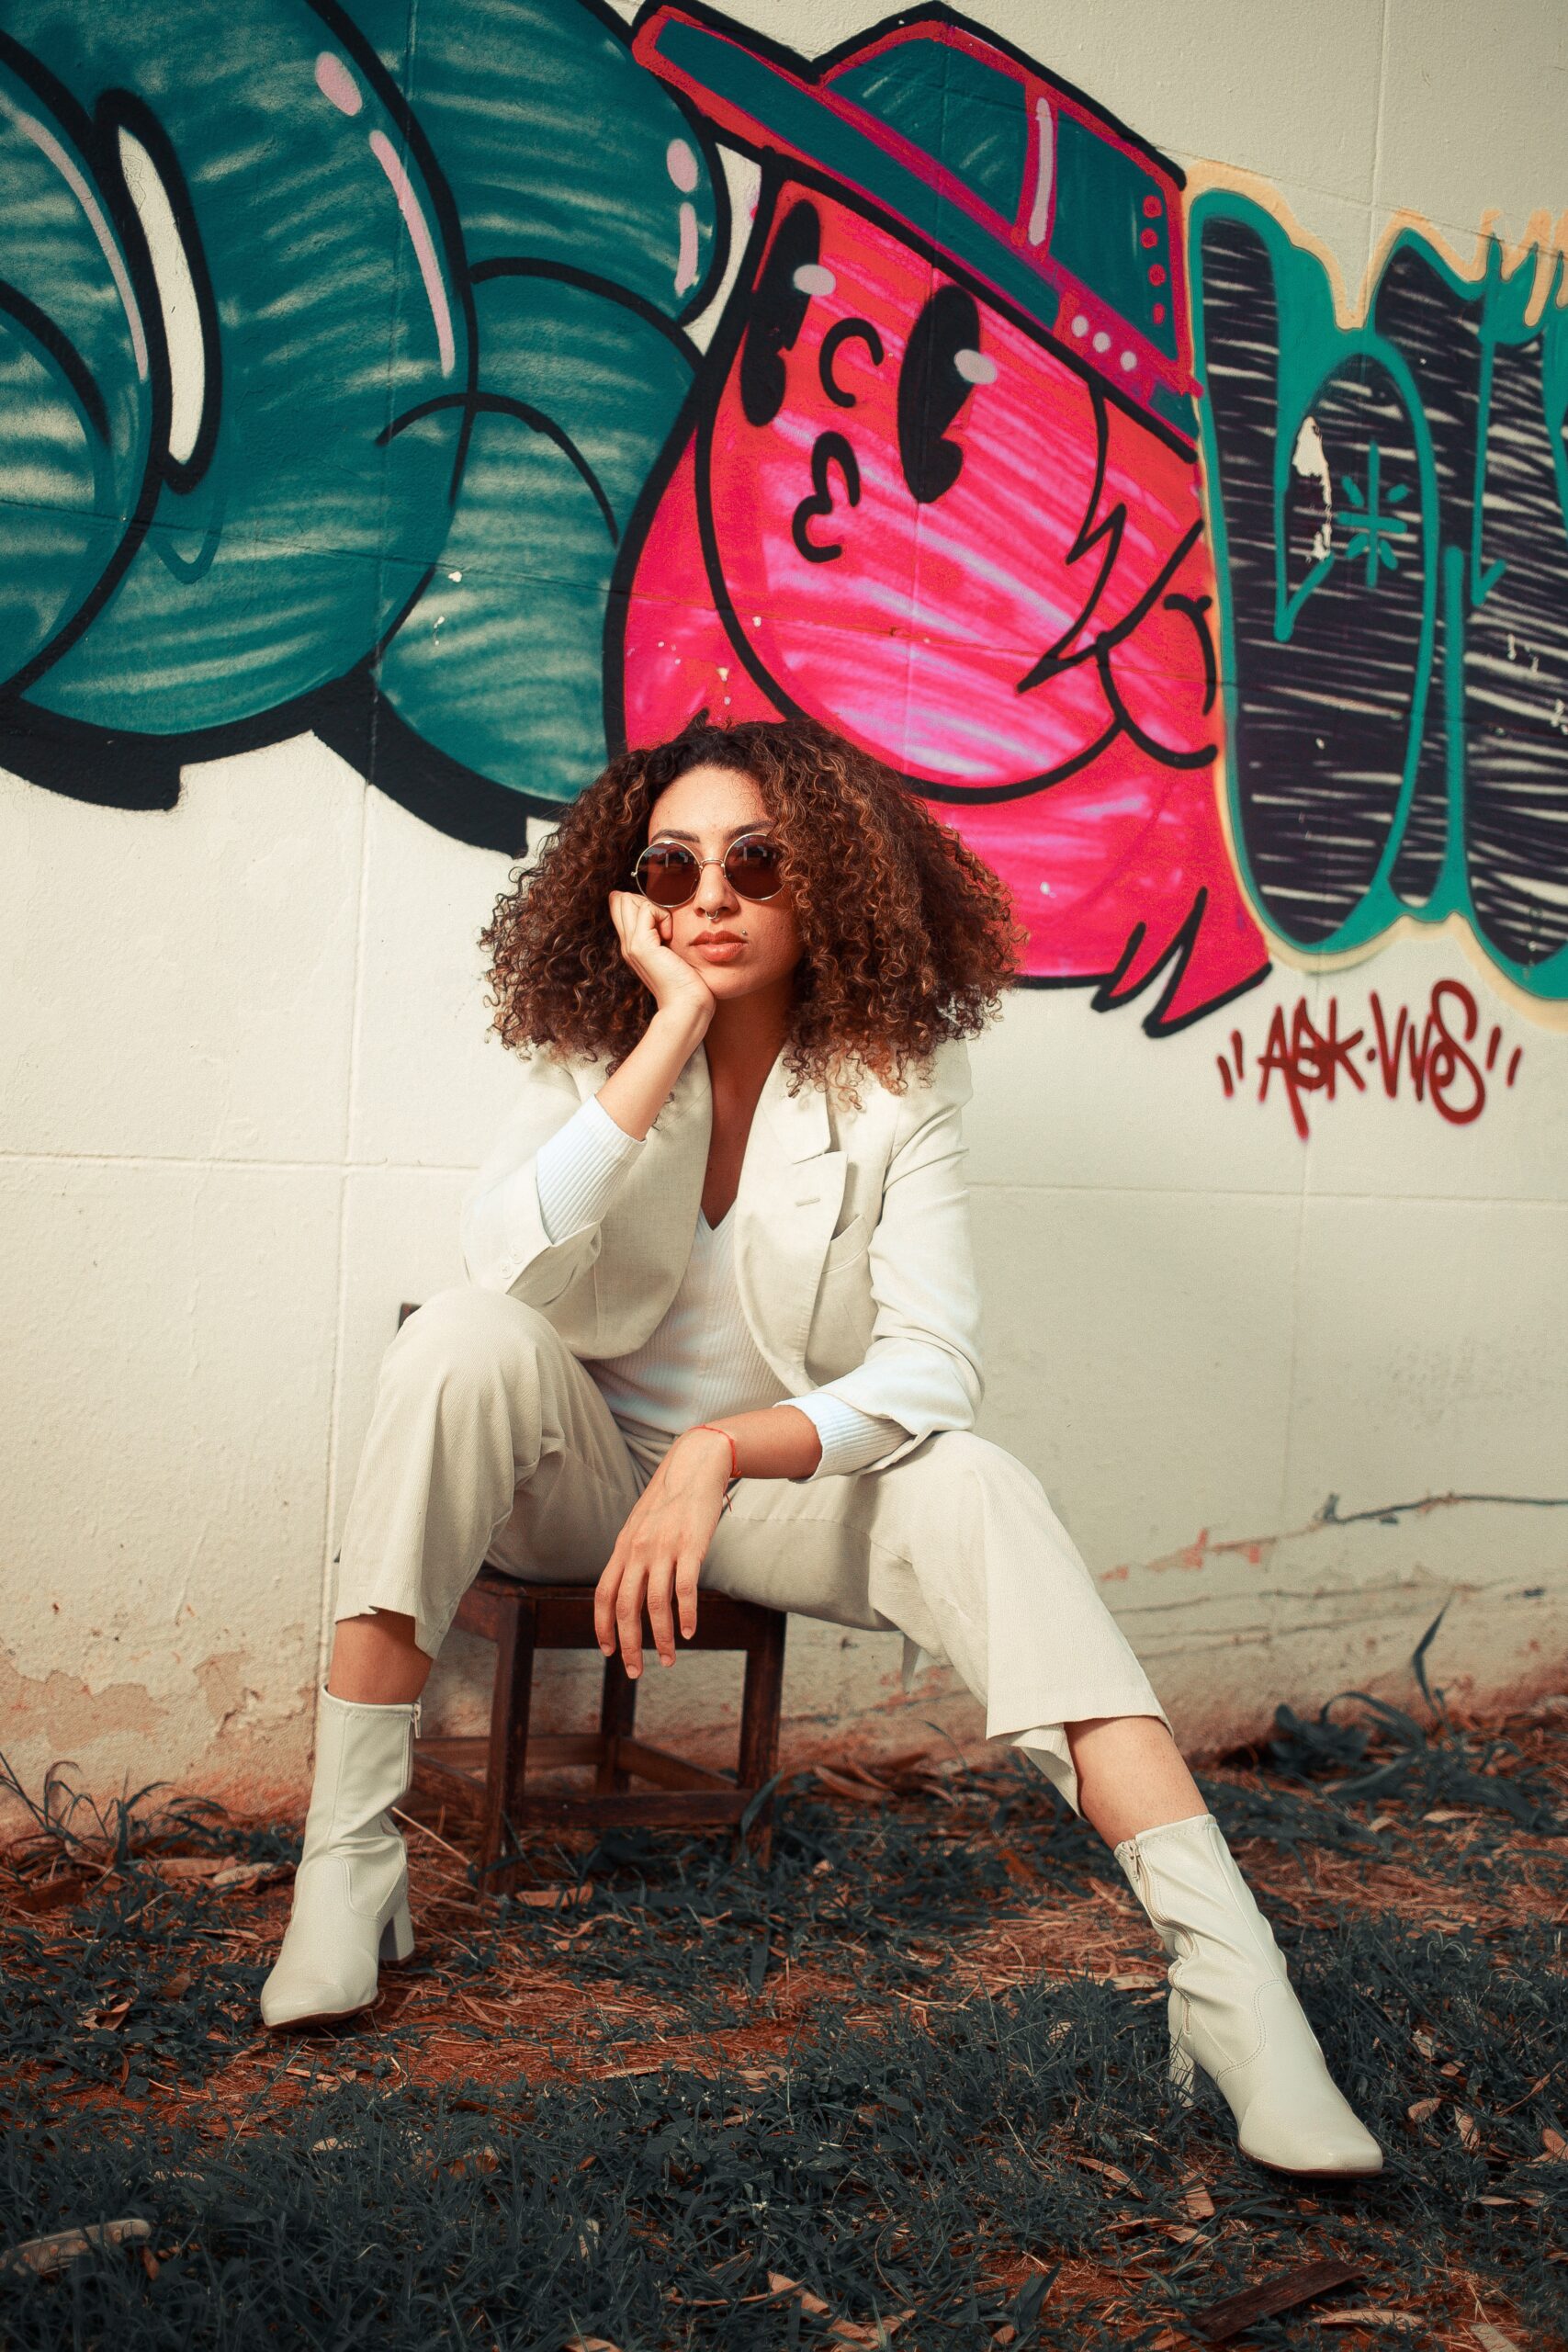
(489, 1440)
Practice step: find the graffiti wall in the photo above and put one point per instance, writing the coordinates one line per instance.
(934, 476)
(474, 390)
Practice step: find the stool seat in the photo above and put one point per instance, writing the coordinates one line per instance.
(523, 1618)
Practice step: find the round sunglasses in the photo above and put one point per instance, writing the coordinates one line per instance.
(669, 874)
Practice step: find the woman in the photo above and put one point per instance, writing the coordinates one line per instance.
(723, 1334)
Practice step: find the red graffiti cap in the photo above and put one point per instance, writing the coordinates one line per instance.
(1007, 176)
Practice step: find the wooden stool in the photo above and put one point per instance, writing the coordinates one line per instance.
(521, 1619)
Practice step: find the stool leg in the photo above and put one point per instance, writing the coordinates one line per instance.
(617, 1718)
(511, 1701)
(759, 1726)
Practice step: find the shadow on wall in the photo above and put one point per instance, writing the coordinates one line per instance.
(356, 388)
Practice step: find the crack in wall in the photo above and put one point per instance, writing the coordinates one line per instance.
(1258, 1549)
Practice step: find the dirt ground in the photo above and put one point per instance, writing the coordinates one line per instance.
(907, 1911)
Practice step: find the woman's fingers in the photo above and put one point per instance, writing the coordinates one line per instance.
(658, 1571)
(661, 1614)
(687, 1570)
(629, 1618)
(605, 1595)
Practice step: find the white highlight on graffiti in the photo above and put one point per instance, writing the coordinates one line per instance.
(424, 244)
(812, 277)
(686, 262)
(1045, 172)
(176, 295)
(1310, 459)
(743, 179)
(682, 166)
(1536, 886)
(1080, 325)
(1129, 361)
(1102, 341)
(44, 140)
(337, 84)
(974, 366)
(454, 575)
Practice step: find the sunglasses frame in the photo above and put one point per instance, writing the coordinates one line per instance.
(700, 866)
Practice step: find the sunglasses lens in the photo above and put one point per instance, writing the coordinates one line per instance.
(755, 869)
(668, 876)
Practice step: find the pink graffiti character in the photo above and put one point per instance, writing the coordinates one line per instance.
(968, 541)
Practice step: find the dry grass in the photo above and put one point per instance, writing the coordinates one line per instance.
(915, 2068)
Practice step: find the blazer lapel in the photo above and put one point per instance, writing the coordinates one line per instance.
(792, 1186)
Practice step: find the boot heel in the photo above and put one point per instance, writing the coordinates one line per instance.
(397, 1935)
(1182, 2073)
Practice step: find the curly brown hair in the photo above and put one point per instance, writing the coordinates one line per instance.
(908, 937)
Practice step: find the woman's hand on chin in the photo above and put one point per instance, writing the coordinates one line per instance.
(645, 932)
(659, 1552)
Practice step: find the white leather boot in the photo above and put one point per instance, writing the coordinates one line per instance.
(1232, 2008)
(351, 1891)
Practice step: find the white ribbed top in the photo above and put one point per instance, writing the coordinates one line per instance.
(701, 1361)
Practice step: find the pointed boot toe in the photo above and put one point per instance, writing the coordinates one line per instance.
(1322, 2138)
(306, 2000)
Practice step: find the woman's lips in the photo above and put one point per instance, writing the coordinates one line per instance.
(719, 951)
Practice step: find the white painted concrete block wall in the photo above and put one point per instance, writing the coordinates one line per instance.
(243, 1070)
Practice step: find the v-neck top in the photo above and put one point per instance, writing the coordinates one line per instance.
(701, 1359)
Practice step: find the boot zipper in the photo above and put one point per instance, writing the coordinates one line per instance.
(415, 1718)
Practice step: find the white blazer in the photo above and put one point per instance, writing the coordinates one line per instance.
(853, 1253)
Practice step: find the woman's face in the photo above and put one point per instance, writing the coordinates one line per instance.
(738, 944)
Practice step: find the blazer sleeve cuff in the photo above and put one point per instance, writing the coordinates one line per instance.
(851, 1439)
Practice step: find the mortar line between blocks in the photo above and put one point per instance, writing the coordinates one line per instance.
(1375, 193)
(334, 1410)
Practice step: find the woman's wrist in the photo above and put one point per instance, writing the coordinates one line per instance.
(683, 1022)
(720, 1447)
(774, 1441)
(634, 1094)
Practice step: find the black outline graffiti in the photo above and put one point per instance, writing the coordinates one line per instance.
(932, 396)
(846, 331)
(121, 768)
(57, 346)
(704, 404)
(828, 449)
(86, 136)
(351, 715)
(121, 110)
(503, 404)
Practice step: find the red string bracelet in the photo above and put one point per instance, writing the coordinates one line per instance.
(734, 1456)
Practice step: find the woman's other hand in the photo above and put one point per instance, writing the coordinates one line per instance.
(645, 932)
(659, 1552)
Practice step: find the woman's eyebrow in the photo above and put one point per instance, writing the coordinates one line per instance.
(753, 825)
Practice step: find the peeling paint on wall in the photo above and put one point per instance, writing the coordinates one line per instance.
(62, 1711)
